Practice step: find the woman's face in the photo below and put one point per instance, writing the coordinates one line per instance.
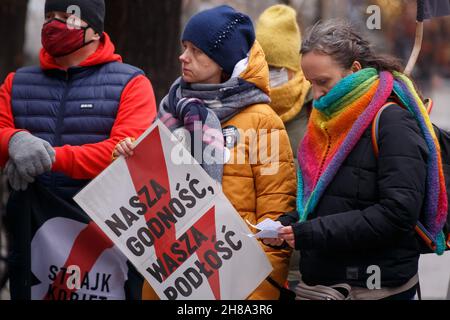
(197, 67)
(324, 72)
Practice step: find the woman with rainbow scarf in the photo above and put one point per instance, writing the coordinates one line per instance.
(357, 211)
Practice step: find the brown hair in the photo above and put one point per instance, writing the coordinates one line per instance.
(345, 45)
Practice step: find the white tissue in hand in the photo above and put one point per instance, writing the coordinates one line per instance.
(268, 229)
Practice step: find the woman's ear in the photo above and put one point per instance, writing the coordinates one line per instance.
(356, 66)
(224, 76)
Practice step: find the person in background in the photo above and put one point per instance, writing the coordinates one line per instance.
(225, 87)
(278, 33)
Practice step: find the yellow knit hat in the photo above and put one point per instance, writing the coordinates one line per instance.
(279, 35)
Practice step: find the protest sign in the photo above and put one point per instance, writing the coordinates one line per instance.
(59, 253)
(174, 224)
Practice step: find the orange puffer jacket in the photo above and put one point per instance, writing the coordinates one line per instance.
(259, 188)
(262, 189)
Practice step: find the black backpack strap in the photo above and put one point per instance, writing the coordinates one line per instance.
(376, 121)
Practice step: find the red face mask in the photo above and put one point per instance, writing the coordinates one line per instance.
(58, 40)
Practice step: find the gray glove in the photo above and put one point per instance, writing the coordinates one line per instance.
(15, 179)
(32, 156)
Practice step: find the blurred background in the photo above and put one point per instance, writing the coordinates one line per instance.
(146, 33)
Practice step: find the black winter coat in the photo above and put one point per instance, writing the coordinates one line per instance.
(368, 213)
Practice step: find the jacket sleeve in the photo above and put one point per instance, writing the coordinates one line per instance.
(401, 182)
(275, 185)
(7, 126)
(137, 111)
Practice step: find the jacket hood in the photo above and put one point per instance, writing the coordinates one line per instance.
(257, 69)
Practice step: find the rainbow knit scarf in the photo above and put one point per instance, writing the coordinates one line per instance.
(337, 123)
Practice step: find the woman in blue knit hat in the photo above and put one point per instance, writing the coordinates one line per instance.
(225, 88)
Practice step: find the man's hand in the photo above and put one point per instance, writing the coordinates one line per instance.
(32, 156)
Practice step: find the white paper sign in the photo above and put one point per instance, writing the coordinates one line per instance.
(174, 224)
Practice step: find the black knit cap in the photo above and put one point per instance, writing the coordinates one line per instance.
(92, 11)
